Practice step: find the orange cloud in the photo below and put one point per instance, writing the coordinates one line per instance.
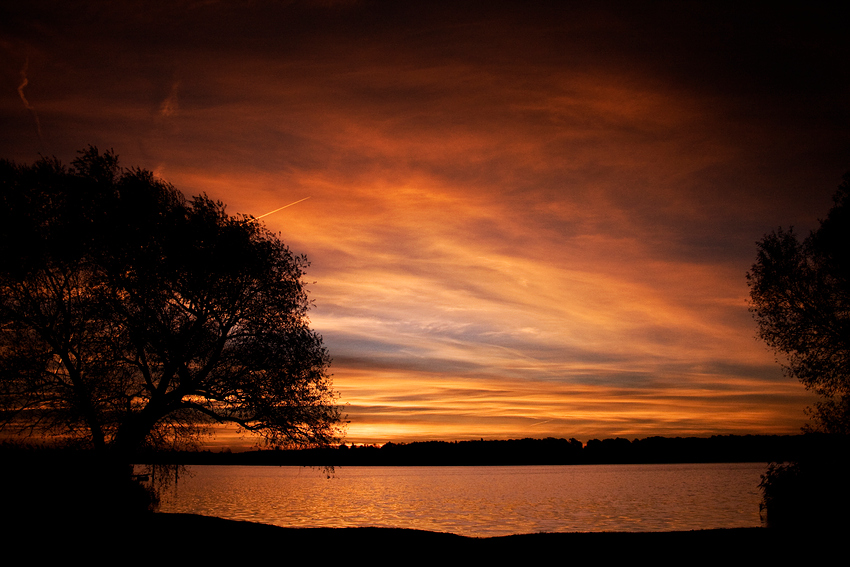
(520, 224)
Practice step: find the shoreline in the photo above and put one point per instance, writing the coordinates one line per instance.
(173, 538)
(748, 544)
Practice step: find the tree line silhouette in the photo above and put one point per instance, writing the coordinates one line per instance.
(548, 451)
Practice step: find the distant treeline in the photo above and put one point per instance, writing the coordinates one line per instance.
(549, 451)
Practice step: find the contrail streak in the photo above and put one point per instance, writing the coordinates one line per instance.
(281, 208)
(31, 108)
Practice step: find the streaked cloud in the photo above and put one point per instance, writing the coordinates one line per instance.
(521, 223)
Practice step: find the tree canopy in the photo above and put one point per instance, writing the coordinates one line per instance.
(133, 317)
(800, 297)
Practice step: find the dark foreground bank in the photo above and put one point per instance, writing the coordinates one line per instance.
(180, 538)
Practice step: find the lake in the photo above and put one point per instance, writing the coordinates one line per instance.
(479, 501)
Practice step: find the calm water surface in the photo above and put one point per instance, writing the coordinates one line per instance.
(479, 501)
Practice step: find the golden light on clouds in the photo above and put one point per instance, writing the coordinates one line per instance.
(521, 222)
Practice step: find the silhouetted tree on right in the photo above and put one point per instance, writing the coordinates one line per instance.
(800, 298)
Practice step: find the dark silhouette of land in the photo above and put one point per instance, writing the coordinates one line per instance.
(549, 451)
(178, 538)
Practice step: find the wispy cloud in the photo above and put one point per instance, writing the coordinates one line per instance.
(30, 107)
(528, 222)
(170, 106)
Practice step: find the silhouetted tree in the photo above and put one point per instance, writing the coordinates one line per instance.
(800, 297)
(133, 317)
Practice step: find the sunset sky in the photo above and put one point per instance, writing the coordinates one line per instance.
(525, 219)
